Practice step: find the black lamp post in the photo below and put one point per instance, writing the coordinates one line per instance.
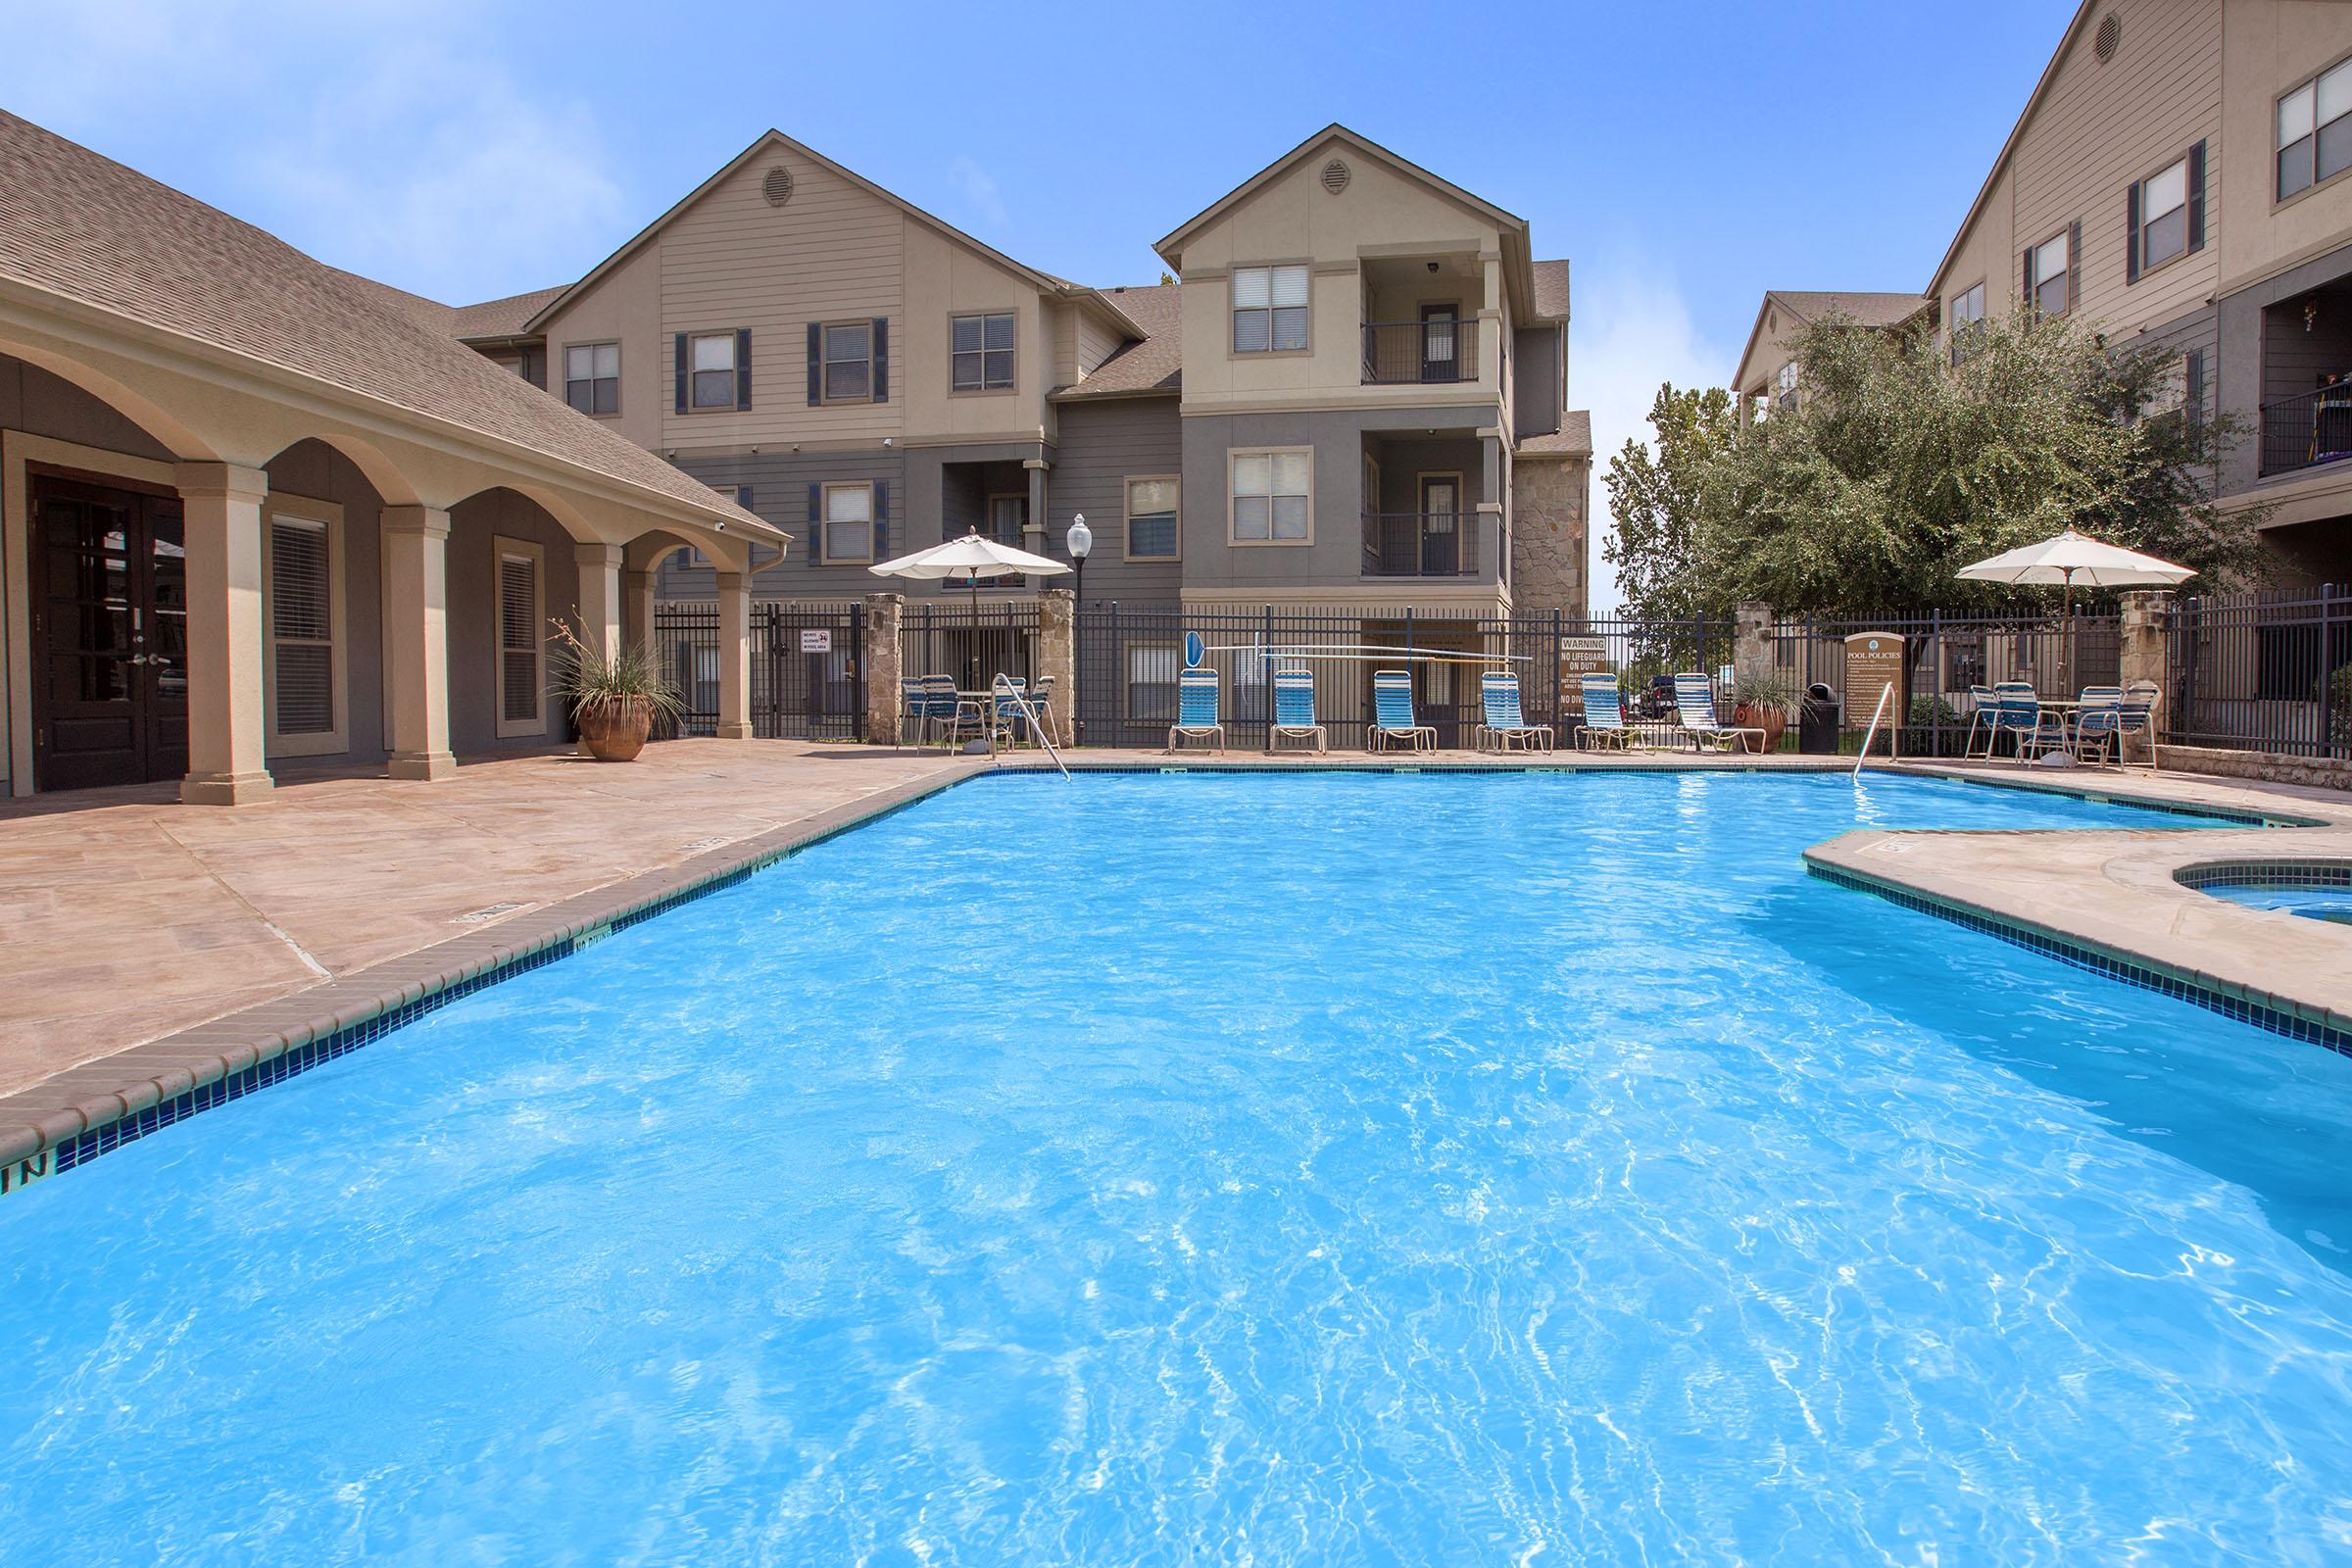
(1081, 541)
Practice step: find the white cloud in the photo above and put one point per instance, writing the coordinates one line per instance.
(1631, 332)
(981, 194)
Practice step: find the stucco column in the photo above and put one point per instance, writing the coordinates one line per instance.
(1033, 532)
(885, 710)
(1494, 484)
(1751, 640)
(1057, 650)
(600, 595)
(734, 656)
(416, 641)
(221, 504)
(637, 608)
(2144, 651)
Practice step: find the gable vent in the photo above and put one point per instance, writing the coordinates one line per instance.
(2110, 35)
(778, 187)
(1335, 176)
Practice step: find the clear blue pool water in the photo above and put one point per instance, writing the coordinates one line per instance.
(2315, 904)
(1233, 1170)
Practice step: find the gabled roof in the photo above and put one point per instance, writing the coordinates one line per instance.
(506, 317)
(1573, 439)
(1807, 306)
(1552, 290)
(1150, 366)
(79, 228)
(2041, 88)
(1171, 248)
(774, 142)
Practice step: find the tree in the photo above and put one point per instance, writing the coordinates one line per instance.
(1900, 465)
(1656, 498)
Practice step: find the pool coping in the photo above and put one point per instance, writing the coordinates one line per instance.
(97, 1105)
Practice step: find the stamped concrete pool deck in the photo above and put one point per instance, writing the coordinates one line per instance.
(151, 947)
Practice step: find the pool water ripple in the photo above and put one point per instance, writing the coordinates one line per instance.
(1344, 1169)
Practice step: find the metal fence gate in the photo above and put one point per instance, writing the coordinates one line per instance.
(2264, 672)
(808, 664)
(972, 643)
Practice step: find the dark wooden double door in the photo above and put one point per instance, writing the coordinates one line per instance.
(109, 635)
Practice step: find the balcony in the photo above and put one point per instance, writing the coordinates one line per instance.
(2307, 430)
(1439, 350)
(1421, 544)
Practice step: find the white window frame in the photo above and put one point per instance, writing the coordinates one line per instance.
(2041, 279)
(1783, 386)
(983, 385)
(502, 549)
(1233, 461)
(327, 517)
(1127, 516)
(1273, 272)
(2308, 89)
(1960, 329)
(592, 379)
(826, 519)
(694, 371)
(2147, 220)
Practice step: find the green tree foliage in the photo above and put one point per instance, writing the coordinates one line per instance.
(1899, 467)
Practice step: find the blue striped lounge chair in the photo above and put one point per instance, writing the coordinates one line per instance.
(1393, 713)
(943, 709)
(1295, 711)
(1694, 717)
(1197, 710)
(2017, 713)
(1605, 715)
(1984, 704)
(1507, 727)
(2138, 720)
(2098, 722)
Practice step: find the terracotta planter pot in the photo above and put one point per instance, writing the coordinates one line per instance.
(1771, 720)
(615, 730)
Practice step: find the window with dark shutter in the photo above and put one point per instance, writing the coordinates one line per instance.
(301, 629)
(2160, 229)
(881, 519)
(2196, 197)
(881, 327)
(681, 371)
(817, 523)
(742, 367)
(714, 363)
(849, 362)
(518, 684)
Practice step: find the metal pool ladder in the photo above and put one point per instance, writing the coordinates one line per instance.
(1002, 687)
(1886, 694)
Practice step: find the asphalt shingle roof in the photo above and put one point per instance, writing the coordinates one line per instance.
(1868, 309)
(1574, 438)
(502, 318)
(1154, 364)
(1551, 289)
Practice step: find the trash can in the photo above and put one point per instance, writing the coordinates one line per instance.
(1817, 725)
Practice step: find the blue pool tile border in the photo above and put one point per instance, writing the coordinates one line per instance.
(2266, 872)
(2082, 955)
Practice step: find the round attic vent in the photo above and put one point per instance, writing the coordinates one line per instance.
(778, 187)
(1335, 176)
(2110, 35)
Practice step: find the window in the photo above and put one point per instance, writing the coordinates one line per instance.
(592, 376)
(2164, 216)
(521, 689)
(1269, 309)
(302, 622)
(981, 352)
(1152, 683)
(849, 363)
(1151, 520)
(2314, 131)
(1968, 322)
(2048, 283)
(714, 366)
(849, 523)
(1785, 388)
(1270, 497)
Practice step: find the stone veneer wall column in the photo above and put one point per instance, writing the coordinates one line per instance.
(2143, 650)
(885, 710)
(1548, 536)
(1751, 640)
(1058, 651)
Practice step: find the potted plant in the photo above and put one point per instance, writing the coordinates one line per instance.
(612, 696)
(1766, 702)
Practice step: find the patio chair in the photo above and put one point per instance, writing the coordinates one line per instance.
(1984, 704)
(1694, 717)
(2017, 713)
(1041, 704)
(1196, 710)
(943, 707)
(2098, 719)
(1507, 728)
(1605, 715)
(2140, 700)
(1295, 711)
(1393, 714)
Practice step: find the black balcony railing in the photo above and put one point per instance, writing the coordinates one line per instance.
(1411, 353)
(2307, 429)
(1420, 544)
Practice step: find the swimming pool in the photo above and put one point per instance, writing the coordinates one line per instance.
(1275, 1169)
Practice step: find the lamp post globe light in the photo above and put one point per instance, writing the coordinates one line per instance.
(1081, 540)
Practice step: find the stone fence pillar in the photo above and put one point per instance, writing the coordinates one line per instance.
(1751, 640)
(1058, 652)
(2143, 650)
(885, 712)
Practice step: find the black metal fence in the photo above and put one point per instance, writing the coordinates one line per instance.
(2264, 671)
(1945, 656)
(2307, 429)
(807, 662)
(1421, 544)
(973, 643)
(1435, 351)
(1129, 657)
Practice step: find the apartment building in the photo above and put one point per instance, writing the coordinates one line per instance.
(1767, 377)
(1354, 393)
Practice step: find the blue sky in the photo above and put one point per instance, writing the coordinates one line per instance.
(1684, 156)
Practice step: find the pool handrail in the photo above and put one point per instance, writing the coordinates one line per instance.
(1885, 695)
(1004, 687)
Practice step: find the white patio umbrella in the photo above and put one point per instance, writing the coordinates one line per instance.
(2070, 558)
(971, 558)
